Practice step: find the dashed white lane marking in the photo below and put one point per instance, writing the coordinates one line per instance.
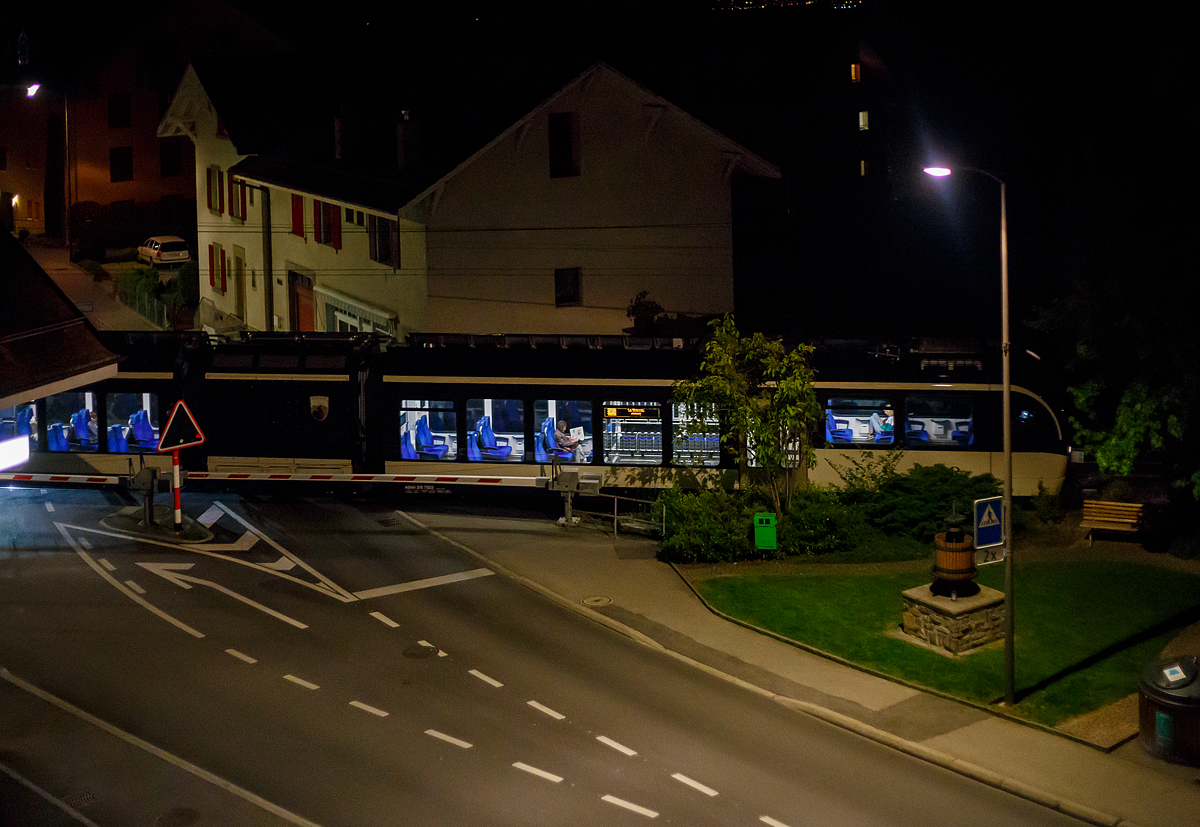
(612, 799)
(680, 777)
(539, 773)
(485, 678)
(771, 821)
(103, 560)
(83, 541)
(449, 739)
(618, 747)
(211, 516)
(426, 644)
(303, 683)
(49, 506)
(384, 619)
(558, 716)
(423, 584)
(370, 709)
(240, 656)
(135, 587)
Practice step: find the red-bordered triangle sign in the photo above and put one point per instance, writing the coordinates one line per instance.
(181, 431)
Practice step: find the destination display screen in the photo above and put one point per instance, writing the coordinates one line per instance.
(633, 413)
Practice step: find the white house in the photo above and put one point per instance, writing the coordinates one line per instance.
(553, 226)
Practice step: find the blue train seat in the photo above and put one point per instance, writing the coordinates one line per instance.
(25, 422)
(837, 431)
(142, 430)
(473, 453)
(963, 434)
(117, 444)
(56, 438)
(406, 449)
(79, 426)
(488, 445)
(915, 432)
(428, 445)
(539, 443)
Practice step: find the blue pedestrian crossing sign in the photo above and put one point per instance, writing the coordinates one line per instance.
(989, 522)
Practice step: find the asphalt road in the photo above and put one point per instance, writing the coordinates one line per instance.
(321, 662)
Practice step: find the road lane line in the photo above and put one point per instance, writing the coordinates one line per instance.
(558, 716)
(122, 589)
(103, 560)
(620, 802)
(62, 805)
(240, 656)
(49, 507)
(426, 644)
(709, 791)
(382, 618)
(370, 709)
(158, 752)
(135, 587)
(210, 516)
(539, 773)
(771, 821)
(618, 747)
(449, 739)
(83, 541)
(300, 681)
(485, 678)
(428, 582)
(174, 573)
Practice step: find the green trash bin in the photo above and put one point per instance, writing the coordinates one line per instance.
(764, 531)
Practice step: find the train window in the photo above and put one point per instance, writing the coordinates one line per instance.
(132, 422)
(576, 413)
(633, 433)
(938, 422)
(1033, 428)
(279, 361)
(233, 360)
(859, 421)
(428, 429)
(496, 427)
(318, 361)
(19, 420)
(695, 435)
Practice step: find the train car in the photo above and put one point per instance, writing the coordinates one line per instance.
(321, 406)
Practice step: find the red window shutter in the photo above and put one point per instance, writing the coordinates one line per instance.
(220, 191)
(335, 224)
(318, 224)
(232, 202)
(212, 278)
(224, 270)
(297, 216)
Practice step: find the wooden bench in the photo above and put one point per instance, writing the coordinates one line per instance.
(1108, 516)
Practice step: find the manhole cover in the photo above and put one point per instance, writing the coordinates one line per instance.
(418, 651)
(599, 600)
(388, 522)
(179, 817)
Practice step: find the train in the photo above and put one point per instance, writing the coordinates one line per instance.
(358, 407)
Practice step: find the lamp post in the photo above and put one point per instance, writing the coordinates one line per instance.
(1009, 668)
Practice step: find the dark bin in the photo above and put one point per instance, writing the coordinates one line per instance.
(1169, 710)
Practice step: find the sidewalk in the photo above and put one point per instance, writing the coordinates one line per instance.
(620, 584)
(93, 298)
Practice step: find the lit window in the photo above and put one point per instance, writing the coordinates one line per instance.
(938, 422)
(428, 430)
(862, 167)
(859, 422)
(576, 416)
(696, 435)
(633, 433)
(855, 72)
(495, 430)
(862, 119)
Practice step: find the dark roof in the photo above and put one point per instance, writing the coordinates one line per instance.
(46, 345)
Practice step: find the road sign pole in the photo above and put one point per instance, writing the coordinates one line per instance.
(175, 486)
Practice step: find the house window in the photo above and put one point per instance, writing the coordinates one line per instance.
(855, 72)
(383, 240)
(327, 224)
(566, 287)
(218, 268)
(297, 215)
(120, 163)
(170, 159)
(862, 168)
(120, 110)
(564, 144)
(862, 120)
(215, 190)
(237, 199)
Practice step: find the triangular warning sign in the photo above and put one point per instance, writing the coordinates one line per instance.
(181, 431)
(989, 518)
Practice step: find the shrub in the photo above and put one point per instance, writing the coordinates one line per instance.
(96, 269)
(917, 503)
(707, 526)
(820, 523)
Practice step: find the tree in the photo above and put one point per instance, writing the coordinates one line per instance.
(764, 395)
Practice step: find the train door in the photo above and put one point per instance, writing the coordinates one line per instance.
(300, 302)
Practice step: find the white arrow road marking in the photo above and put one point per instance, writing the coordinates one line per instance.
(539, 773)
(282, 564)
(210, 516)
(612, 799)
(243, 543)
(329, 584)
(168, 571)
(87, 558)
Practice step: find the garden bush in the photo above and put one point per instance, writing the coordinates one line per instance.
(708, 526)
(820, 523)
(917, 502)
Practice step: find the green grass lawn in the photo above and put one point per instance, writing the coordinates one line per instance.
(1066, 614)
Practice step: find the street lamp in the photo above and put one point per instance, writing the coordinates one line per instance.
(1009, 687)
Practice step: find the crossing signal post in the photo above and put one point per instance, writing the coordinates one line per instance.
(181, 432)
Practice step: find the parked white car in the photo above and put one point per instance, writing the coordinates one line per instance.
(163, 249)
